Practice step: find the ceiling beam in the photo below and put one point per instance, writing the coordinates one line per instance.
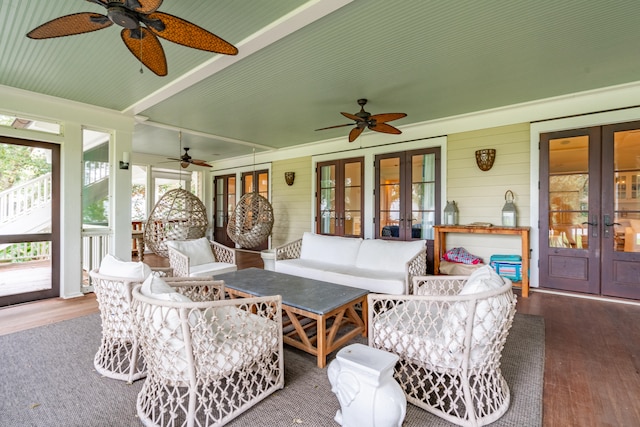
(201, 134)
(302, 16)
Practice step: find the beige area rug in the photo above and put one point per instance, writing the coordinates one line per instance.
(48, 380)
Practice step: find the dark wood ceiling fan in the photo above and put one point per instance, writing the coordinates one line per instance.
(186, 160)
(142, 25)
(364, 119)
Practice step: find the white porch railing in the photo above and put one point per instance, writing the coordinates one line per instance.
(25, 251)
(20, 200)
(96, 243)
(95, 171)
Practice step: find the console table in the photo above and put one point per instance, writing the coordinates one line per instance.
(440, 244)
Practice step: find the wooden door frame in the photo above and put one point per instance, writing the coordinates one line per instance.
(227, 241)
(620, 270)
(53, 237)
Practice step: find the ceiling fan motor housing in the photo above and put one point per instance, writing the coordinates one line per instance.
(123, 17)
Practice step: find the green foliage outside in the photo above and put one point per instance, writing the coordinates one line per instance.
(20, 164)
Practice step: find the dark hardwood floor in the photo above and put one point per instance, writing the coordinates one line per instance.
(592, 350)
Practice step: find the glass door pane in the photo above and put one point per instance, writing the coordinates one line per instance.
(389, 187)
(327, 199)
(423, 195)
(569, 192)
(626, 164)
(353, 198)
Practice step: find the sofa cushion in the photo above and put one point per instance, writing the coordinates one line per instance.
(377, 254)
(380, 281)
(330, 249)
(197, 250)
(112, 266)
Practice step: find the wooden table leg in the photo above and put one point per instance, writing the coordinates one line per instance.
(321, 344)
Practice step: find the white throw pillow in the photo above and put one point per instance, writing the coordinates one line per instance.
(155, 287)
(378, 254)
(198, 250)
(483, 279)
(485, 318)
(112, 266)
(330, 249)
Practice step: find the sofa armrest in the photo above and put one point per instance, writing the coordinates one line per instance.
(223, 253)
(289, 250)
(179, 262)
(438, 285)
(416, 266)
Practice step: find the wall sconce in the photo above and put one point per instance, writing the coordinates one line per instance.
(124, 163)
(289, 177)
(485, 158)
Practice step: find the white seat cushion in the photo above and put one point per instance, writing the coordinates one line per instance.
(112, 266)
(212, 268)
(380, 281)
(198, 250)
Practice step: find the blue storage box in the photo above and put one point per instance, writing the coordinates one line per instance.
(508, 266)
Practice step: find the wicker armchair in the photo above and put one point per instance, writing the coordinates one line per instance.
(118, 356)
(200, 258)
(450, 339)
(207, 362)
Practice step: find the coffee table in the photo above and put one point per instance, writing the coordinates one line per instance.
(318, 317)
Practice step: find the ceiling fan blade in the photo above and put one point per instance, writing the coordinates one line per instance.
(385, 128)
(355, 132)
(336, 126)
(69, 25)
(143, 6)
(352, 117)
(383, 118)
(173, 159)
(200, 163)
(145, 46)
(183, 32)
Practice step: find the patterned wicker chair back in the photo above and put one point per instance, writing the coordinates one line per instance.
(450, 344)
(207, 361)
(118, 356)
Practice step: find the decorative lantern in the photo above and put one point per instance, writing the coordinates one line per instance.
(509, 210)
(451, 213)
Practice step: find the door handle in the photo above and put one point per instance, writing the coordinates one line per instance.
(608, 223)
(594, 225)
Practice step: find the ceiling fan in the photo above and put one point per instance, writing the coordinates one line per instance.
(363, 119)
(141, 24)
(186, 160)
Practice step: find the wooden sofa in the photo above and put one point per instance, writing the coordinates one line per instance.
(381, 266)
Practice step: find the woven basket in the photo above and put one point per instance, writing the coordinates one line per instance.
(251, 222)
(178, 215)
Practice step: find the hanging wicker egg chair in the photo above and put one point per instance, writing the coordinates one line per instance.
(251, 222)
(178, 215)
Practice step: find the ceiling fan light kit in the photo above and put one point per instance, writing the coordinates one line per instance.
(142, 25)
(364, 120)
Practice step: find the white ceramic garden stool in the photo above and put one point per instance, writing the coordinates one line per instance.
(362, 379)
